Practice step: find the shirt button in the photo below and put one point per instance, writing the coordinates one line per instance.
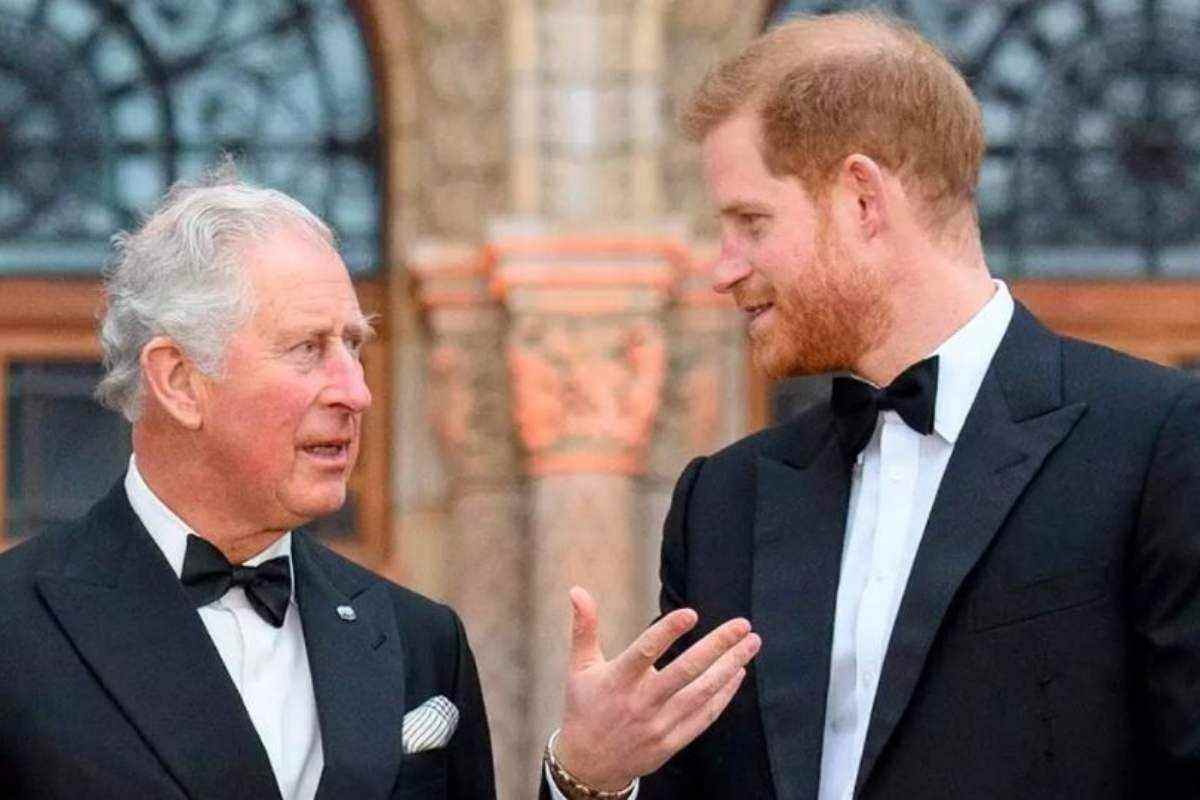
(896, 474)
(879, 577)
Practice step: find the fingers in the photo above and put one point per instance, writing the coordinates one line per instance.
(585, 642)
(697, 659)
(652, 643)
(701, 718)
(697, 696)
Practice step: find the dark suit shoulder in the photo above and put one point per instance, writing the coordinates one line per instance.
(1095, 372)
(41, 554)
(25, 621)
(777, 441)
(18, 568)
(792, 442)
(715, 498)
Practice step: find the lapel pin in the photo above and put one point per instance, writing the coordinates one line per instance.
(346, 613)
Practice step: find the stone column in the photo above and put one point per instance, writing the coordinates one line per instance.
(587, 355)
(585, 127)
(488, 555)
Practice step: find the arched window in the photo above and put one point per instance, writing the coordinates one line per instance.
(105, 103)
(1091, 109)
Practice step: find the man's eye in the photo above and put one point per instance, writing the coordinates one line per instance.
(308, 348)
(755, 224)
(354, 345)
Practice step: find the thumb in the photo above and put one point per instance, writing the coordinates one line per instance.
(585, 643)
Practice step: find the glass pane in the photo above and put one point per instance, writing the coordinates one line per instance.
(103, 105)
(1093, 162)
(64, 451)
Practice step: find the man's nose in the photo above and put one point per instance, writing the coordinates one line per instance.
(348, 385)
(730, 269)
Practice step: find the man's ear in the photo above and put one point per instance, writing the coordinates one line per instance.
(173, 381)
(862, 185)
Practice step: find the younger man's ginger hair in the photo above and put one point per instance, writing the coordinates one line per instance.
(830, 86)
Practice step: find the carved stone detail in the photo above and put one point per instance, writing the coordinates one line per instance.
(586, 391)
(587, 351)
(468, 401)
(469, 405)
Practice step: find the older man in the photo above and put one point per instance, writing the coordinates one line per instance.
(186, 639)
(976, 571)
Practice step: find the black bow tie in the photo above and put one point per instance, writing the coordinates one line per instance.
(207, 576)
(857, 404)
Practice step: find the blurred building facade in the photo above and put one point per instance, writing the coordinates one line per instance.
(517, 205)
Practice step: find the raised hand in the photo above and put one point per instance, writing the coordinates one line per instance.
(624, 718)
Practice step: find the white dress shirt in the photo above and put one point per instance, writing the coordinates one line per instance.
(268, 665)
(892, 489)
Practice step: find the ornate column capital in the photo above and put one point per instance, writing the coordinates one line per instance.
(469, 406)
(587, 348)
(450, 275)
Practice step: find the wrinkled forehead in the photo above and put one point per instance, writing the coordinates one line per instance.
(292, 276)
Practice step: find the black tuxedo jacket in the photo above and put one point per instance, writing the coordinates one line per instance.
(110, 686)
(1048, 640)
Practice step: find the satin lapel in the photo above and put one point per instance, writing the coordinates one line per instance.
(357, 670)
(799, 525)
(124, 610)
(1016, 421)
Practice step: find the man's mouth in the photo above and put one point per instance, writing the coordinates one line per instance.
(329, 451)
(756, 311)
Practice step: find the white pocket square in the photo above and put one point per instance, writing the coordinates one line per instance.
(429, 725)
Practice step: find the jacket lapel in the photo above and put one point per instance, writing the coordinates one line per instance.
(123, 608)
(799, 526)
(1017, 419)
(357, 671)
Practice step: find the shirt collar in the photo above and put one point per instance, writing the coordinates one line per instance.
(170, 532)
(963, 360)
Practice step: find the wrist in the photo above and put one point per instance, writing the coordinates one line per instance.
(573, 778)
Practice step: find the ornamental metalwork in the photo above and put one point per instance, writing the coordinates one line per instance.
(105, 103)
(1092, 112)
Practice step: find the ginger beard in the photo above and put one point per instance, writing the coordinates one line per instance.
(827, 318)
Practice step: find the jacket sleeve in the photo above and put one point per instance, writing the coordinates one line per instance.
(1164, 605)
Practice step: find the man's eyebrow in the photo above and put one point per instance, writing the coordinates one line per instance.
(363, 327)
(737, 206)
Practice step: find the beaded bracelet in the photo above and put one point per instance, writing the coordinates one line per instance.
(572, 787)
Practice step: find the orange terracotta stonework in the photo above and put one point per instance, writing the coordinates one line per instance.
(586, 395)
(587, 350)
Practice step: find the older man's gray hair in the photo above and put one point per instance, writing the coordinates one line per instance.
(180, 276)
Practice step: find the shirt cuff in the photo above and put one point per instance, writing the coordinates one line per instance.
(555, 794)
